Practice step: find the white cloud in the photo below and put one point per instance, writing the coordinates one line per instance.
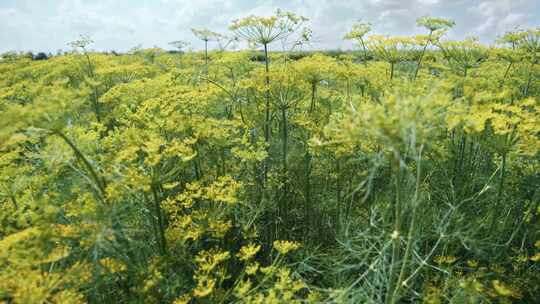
(497, 16)
(429, 2)
(49, 24)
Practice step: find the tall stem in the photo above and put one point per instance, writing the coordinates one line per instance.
(422, 56)
(206, 56)
(365, 50)
(14, 201)
(159, 215)
(499, 193)
(284, 147)
(153, 219)
(95, 95)
(397, 227)
(267, 95)
(400, 281)
(267, 109)
(501, 177)
(307, 194)
(285, 139)
(526, 93)
(100, 184)
(313, 94)
(338, 193)
(506, 72)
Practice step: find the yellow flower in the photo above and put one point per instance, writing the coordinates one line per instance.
(205, 286)
(169, 186)
(208, 260)
(472, 263)
(184, 299)
(219, 228)
(248, 251)
(522, 258)
(285, 246)
(243, 288)
(252, 268)
(194, 233)
(268, 269)
(113, 265)
(501, 289)
(442, 259)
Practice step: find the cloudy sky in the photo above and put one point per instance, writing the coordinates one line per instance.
(48, 25)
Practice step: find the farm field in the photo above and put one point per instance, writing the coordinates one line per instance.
(404, 171)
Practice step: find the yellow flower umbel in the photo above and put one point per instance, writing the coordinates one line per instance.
(283, 247)
(205, 286)
(208, 260)
(445, 259)
(112, 265)
(249, 251)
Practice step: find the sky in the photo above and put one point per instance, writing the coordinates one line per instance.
(49, 25)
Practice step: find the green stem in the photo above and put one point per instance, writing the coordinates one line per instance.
(267, 110)
(338, 193)
(496, 210)
(313, 94)
(153, 219)
(506, 72)
(94, 89)
(284, 147)
(397, 227)
(159, 215)
(100, 184)
(307, 194)
(365, 50)
(422, 56)
(285, 139)
(412, 226)
(530, 77)
(206, 56)
(14, 201)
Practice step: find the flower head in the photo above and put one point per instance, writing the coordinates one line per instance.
(358, 31)
(434, 24)
(264, 30)
(284, 247)
(248, 251)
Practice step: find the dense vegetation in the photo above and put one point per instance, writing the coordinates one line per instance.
(406, 171)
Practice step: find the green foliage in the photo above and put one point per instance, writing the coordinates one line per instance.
(308, 179)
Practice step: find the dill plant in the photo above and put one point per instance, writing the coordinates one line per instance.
(425, 190)
(358, 32)
(180, 46)
(393, 50)
(205, 35)
(262, 31)
(83, 44)
(436, 28)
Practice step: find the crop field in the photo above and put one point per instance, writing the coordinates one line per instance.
(404, 171)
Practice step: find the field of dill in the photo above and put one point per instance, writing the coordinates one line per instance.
(406, 171)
